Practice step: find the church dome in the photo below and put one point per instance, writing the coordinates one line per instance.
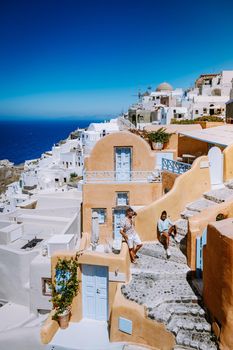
(164, 87)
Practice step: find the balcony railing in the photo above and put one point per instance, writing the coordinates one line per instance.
(174, 166)
(121, 176)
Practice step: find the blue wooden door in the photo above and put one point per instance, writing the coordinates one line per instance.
(119, 215)
(95, 292)
(123, 163)
(200, 242)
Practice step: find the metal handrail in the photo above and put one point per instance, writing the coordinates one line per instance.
(175, 166)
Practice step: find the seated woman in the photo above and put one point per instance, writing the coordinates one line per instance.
(166, 228)
(130, 235)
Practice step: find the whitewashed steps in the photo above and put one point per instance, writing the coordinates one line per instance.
(220, 195)
(200, 205)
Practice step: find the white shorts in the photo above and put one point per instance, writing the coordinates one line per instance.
(133, 240)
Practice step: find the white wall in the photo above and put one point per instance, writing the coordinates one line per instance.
(14, 272)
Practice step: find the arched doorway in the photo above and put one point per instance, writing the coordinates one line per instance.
(216, 166)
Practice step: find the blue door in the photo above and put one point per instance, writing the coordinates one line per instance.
(123, 163)
(200, 242)
(119, 215)
(95, 292)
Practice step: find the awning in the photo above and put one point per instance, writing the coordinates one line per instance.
(220, 135)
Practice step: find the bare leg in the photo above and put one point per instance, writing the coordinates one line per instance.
(139, 246)
(132, 254)
(173, 230)
(166, 239)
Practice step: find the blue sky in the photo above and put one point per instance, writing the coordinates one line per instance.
(79, 58)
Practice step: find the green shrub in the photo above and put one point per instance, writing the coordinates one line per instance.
(159, 136)
(66, 287)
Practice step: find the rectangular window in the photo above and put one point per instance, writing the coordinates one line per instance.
(46, 286)
(122, 198)
(102, 215)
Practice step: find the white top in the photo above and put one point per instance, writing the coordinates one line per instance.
(128, 227)
(60, 238)
(164, 225)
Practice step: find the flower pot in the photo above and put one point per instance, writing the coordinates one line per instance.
(157, 146)
(64, 318)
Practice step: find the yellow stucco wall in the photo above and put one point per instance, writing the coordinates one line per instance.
(218, 279)
(102, 155)
(119, 263)
(144, 330)
(187, 188)
(199, 222)
(187, 145)
(104, 196)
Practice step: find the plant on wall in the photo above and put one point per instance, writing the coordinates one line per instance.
(159, 136)
(65, 286)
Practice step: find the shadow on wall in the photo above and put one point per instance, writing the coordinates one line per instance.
(187, 188)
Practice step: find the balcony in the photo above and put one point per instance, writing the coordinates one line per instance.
(122, 177)
(174, 166)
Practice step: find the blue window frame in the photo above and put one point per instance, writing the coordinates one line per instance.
(101, 214)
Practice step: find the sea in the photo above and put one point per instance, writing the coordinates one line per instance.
(23, 139)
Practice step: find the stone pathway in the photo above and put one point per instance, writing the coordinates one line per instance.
(162, 286)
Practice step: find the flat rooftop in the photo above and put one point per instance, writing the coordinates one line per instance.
(219, 135)
(174, 128)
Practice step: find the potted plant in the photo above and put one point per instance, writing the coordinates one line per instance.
(159, 138)
(64, 288)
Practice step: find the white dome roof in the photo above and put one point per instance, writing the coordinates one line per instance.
(164, 87)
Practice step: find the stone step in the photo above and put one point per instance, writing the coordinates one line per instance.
(151, 291)
(229, 184)
(178, 239)
(167, 311)
(156, 250)
(186, 214)
(161, 285)
(188, 323)
(200, 205)
(196, 340)
(182, 227)
(220, 195)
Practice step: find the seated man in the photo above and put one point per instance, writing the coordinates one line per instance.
(130, 235)
(166, 228)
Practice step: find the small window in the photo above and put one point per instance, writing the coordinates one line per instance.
(64, 179)
(56, 180)
(46, 286)
(122, 198)
(102, 215)
(204, 110)
(196, 111)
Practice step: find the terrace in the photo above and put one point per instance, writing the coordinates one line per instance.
(122, 177)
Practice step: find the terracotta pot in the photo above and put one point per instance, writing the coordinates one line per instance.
(64, 318)
(157, 146)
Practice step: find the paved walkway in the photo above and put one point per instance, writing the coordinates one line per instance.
(85, 335)
(163, 287)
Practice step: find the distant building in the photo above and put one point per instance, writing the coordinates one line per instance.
(158, 107)
(229, 107)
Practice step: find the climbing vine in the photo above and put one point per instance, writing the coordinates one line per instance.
(65, 285)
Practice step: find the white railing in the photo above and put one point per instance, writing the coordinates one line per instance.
(121, 177)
